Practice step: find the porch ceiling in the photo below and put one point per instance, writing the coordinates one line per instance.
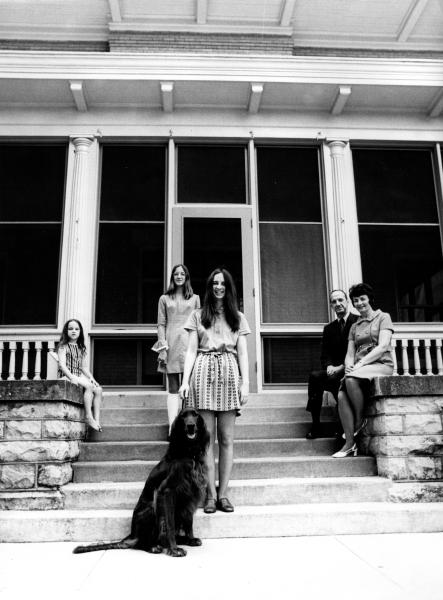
(370, 24)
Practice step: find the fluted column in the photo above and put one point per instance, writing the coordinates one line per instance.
(80, 231)
(342, 217)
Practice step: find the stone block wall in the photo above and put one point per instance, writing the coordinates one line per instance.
(41, 424)
(405, 428)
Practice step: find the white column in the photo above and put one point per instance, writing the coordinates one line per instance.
(79, 231)
(341, 213)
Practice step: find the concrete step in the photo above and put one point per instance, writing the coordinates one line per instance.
(243, 430)
(252, 492)
(244, 468)
(246, 521)
(114, 399)
(250, 414)
(105, 451)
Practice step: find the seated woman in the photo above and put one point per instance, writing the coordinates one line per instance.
(369, 355)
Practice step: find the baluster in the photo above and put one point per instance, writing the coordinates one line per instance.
(394, 356)
(404, 357)
(1, 360)
(25, 348)
(428, 357)
(12, 350)
(38, 361)
(439, 359)
(416, 344)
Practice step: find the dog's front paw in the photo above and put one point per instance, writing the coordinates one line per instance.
(188, 541)
(194, 542)
(155, 550)
(176, 552)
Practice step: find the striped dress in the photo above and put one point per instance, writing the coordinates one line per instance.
(74, 360)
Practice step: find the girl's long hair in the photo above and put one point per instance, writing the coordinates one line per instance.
(187, 288)
(64, 339)
(230, 304)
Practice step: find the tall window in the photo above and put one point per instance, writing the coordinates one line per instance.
(32, 183)
(400, 241)
(131, 238)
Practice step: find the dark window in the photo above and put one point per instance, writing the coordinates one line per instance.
(212, 174)
(400, 241)
(130, 264)
(292, 262)
(289, 359)
(32, 180)
(126, 361)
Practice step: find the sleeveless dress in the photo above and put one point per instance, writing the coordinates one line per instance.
(74, 360)
(172, 315)
(215, 379)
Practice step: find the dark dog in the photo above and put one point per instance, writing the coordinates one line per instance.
(165, 510)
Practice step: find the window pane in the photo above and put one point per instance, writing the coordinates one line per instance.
(133, 183)
(32, 182)
(212, 174)
(29, 271)
(404, 265)
(221, 240)
(129, 272)
(124, 361)
(290, 359)
(288, 184)
(395, 186)
(293, 273)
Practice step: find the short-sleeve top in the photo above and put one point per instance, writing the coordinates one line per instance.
(365, 333)
(219, 337)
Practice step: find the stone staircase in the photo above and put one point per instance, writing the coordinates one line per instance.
(282, 484)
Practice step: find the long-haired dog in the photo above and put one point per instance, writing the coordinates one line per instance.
(164, 514)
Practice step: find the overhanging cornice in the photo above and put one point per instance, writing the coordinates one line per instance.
(179, 67)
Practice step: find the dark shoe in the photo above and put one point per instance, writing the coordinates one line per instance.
(224, 505)
(210, 506)
(313, 433)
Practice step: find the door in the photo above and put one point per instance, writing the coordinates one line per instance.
(207, 237)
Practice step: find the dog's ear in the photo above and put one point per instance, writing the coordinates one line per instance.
(203, 432)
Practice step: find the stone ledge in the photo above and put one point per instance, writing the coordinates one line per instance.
(407, 385)
(40, 391)
(32, 500)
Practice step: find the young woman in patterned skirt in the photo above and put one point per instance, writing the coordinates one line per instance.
(215, 359)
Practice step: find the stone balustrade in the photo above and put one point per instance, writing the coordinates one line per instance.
(405, 429)
(41, 425)
(416, 354)
(25, 357)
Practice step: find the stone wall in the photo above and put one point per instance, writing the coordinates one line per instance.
(41, 424)
(404, 430)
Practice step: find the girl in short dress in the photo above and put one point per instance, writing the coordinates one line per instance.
(72, 365)
(216, 357)
(369, 355)
(174, 308)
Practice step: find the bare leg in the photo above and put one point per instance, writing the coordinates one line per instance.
(356, 398)
(97, 403)
(174, 402)
(225, 435)
(347, 418)
(209, 418)
(87, 399)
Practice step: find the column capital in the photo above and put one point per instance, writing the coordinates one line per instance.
(337, 145)
(82, 143)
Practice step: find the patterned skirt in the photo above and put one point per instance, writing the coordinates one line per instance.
(214, 383)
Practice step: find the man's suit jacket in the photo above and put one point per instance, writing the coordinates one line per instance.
(335, 342)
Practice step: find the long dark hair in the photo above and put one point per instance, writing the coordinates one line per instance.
(64, 339)
(187, 288)
(230, 305)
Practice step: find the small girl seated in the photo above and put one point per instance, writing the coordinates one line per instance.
(73, 367)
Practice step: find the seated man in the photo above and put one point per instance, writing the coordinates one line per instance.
(333, 352)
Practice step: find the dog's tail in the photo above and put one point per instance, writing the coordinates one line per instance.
(122, 545)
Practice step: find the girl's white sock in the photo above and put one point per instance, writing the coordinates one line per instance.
(174, 405)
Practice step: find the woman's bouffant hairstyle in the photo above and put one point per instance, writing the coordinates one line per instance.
(362, 289)
(230, 304)
(187, 288)
(64, 339)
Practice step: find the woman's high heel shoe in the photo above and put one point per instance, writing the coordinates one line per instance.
(345, 453)
(357, 431)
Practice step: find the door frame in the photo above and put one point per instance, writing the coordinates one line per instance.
(224, 211)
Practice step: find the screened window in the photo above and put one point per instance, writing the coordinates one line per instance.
(289, 360)
(213, 174)
(126, 361)
(32, 183)
(293, 276)
(131, 237)
(400, 240)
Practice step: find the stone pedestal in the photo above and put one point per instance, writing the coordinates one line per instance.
(41, 423)
(405, 433)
